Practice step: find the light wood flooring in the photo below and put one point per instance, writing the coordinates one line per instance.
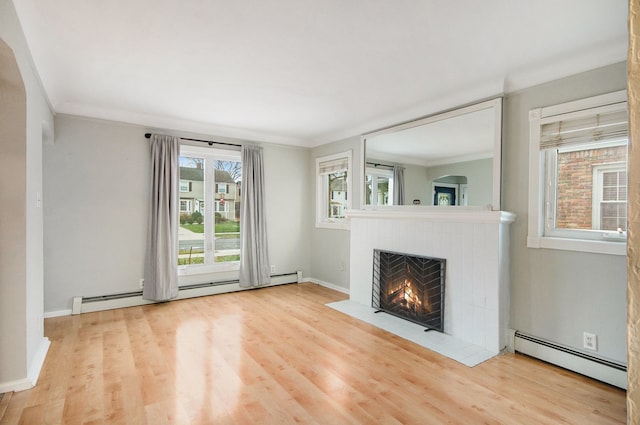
(280, 356)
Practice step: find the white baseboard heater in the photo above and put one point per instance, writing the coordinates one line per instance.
(595, 367)
(131, 299)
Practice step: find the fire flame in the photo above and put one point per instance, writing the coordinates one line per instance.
(409, 297)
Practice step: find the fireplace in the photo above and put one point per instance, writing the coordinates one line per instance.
(410, 287)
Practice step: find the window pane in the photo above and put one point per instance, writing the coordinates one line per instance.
(613, 216)
(580, 187)
(227, 211)
(609, 179)
(383, 191)
(337, 194)
(191, 232)
(609, 193)
(367, 185)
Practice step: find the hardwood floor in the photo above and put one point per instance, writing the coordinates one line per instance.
(279, 356)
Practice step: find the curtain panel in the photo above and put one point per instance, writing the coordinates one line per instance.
(254, 258)
(161, 258)
(398, 185)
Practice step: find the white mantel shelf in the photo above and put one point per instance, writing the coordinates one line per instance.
(436, 213)
(473, 240)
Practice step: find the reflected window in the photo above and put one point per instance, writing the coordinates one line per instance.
(379, 187)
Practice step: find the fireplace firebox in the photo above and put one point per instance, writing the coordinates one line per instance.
(410, 287)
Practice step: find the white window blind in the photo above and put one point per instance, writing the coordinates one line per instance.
(333, 166)
(577, 130)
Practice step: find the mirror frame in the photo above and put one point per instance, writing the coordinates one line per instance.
(493, 103)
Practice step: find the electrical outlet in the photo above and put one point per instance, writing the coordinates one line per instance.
(141, 283)
(343, 266)
(590, 341)
(273, 268)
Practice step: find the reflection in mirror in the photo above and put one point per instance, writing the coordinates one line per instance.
(451, 158)
(450, 190)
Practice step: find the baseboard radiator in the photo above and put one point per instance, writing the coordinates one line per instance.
(131, 299)
(601, 369)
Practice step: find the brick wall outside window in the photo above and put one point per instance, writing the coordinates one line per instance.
(575, 184)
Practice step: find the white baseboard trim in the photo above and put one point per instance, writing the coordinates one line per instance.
(608, 371)
(38, 360)
(59, 313)
(328, 285)
(189, 291)
(15, 386)
(34, 371)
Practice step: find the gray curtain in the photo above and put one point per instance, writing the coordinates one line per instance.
(161, 259)
(398, 185)
(254, 258)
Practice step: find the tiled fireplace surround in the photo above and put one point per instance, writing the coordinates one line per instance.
(475, 244)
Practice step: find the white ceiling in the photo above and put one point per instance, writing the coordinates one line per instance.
(306, 72)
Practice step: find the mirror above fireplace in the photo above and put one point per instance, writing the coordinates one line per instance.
(451, 158)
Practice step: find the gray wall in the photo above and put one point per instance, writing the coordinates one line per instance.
(96, 186)
(96, 194)
(557, 294)
(417, 185)
(21, 282)
(330, 247)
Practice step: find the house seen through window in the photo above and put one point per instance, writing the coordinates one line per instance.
(209, 231)
(580, 191)
(333, 189)
(592, 188)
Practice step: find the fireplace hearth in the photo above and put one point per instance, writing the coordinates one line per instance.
(410, 287)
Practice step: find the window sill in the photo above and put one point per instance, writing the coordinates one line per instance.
(591, 246)
(339, 225)
(205, 269)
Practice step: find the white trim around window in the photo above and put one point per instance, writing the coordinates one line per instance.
(541, 226)
(210, 155)
(326, 166)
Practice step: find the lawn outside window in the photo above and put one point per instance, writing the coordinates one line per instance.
(209, 230)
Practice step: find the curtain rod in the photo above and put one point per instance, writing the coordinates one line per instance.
(210, 142)
(375, 164)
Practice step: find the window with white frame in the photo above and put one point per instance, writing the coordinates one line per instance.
(222, 188)
(208, 240)
(378, 186)
(185, 185)
(610, 197)
(185, 206)
(221, 206)
(578, 175)
(333, 190)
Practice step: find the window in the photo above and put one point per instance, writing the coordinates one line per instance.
(221, 206)
(185, 206)
(333, 190)
(379, 187)
(185, 186)
(209, 236)
(222, 188)
(610, 197)
(578, 175)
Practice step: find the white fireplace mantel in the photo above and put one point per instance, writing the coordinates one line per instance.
(436, 213)
(473, 240)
